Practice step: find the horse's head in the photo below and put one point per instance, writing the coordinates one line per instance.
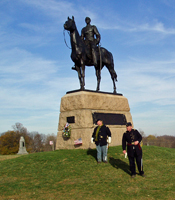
(70, 24)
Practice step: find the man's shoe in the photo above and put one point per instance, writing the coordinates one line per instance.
(105, 161)
(133, 176)
(98, 162)
(143, 175)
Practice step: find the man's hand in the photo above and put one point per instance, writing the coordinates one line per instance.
(136, 142)
(109, 140)
(124, 151)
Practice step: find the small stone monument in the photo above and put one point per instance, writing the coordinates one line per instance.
(22, 148)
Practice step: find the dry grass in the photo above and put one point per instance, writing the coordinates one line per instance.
(6, 157)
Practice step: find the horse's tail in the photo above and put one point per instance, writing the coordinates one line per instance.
(108, 60)
(113, 70)
(114, 75)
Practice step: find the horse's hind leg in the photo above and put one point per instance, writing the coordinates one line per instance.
(98, 75)
(113, 76)
(114, 86)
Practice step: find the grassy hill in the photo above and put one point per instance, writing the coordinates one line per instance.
(75, 174)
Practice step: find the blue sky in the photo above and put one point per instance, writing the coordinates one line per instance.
(35, 64)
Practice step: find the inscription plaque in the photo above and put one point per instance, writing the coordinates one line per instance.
(71, 119)
(110, 118)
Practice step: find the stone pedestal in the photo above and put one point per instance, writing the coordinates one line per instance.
(80, 107)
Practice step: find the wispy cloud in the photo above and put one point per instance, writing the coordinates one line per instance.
(154, 27)
(158, 27)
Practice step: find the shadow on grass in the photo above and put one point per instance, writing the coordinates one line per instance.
(117, 163)
(92, 152)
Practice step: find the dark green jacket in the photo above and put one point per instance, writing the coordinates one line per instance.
(103, 133)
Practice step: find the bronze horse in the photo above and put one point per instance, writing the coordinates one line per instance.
(80, 56)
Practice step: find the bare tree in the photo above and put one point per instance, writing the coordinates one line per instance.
(48, 146)
(18, 127)
(37, 141)
(142, 133)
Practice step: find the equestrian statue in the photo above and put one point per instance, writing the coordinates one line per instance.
(86, 51)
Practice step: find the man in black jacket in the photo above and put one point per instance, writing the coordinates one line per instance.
(101, 136)
(132, 139)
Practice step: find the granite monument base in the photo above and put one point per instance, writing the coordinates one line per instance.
(81, 109)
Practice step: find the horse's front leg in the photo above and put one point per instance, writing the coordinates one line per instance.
(82, 75)
(79, 75)
(98, 75)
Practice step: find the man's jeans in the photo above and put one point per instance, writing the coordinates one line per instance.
(102, 151)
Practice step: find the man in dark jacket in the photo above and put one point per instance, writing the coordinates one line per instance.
(131, 139)
(101, 136)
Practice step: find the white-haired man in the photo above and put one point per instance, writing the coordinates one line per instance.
(101, 136)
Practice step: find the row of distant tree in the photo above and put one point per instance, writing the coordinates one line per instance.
(35, 142)
(161, 141)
